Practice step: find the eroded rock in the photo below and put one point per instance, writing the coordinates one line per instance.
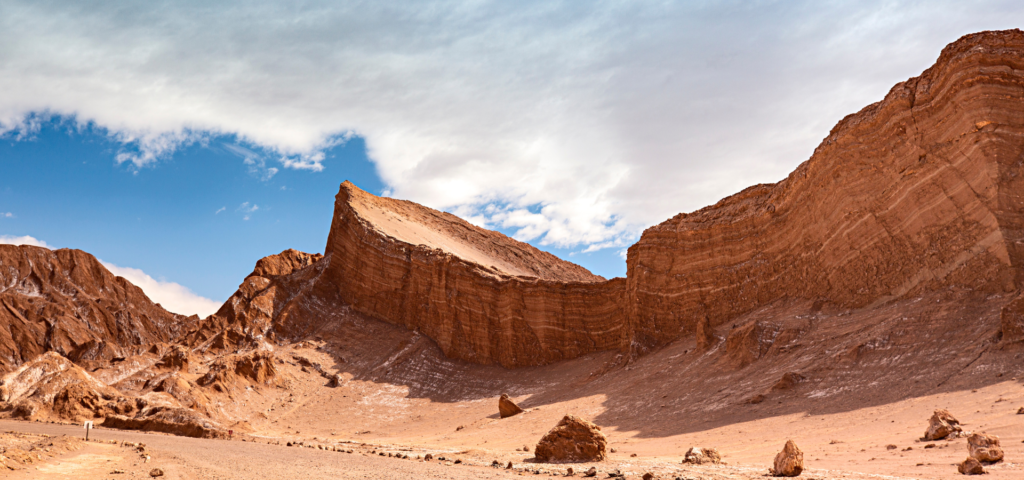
(572, 440)
(789, 462)
(984, 447)
(700, 456)
(942, 425)
(506, 407)
(970, 466)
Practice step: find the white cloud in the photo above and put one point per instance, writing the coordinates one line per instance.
(6, 215)
(221, 209)
(23, 240)
(581, 123)
(247, 210)
(172, 296)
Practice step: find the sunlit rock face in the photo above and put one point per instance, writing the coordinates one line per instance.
(912, 194)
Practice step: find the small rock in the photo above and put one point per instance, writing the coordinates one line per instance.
(941, 425)
(428, 457)
(930, 445)
(572, 440)
(592, 472)
(156, 472)
(506, 407)
(458, 461)
(891, 447)
(984, 447)
(1020, 411)
(648, 476)
(613, 450)
(526, 449)
(460, 427)
(509, 466)
(698, 456)
(756, 399)
(970, 466)
(569, 472)
(789, 462)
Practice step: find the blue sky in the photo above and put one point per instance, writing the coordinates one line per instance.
(126, 127)
(200, 218)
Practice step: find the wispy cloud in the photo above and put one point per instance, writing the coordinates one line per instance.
(23, 240)
(256, 163)
(613, 115)
(247, 210)
(6, 215)
(221, 209)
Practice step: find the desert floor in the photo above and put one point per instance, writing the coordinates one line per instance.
(850, 444)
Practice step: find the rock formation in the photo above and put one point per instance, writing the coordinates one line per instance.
(700, 456)
(65, 301)
(789, 462)
(572, 440)
(941, 425)
(909, 195)
(984, 447)
(970, 466)
(506, 407)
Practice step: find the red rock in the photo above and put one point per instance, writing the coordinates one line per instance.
(970, 466)
(572, 440)
(507, 408)
(984, 447)
(789, 462)
(941, 425)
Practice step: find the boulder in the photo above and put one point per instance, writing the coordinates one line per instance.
(699, 456)
(942, 425)
(156, 472)
(970, 466)
(572, 440)
(984, 447)
(507, 408)
(789, 462)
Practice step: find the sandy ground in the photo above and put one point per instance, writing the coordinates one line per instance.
(849, 444)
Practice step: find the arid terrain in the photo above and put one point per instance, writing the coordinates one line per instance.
(839, 308)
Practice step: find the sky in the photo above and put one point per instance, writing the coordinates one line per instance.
(179, 142)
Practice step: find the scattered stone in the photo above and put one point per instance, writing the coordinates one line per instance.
(592, 472)
(507, 408)
(569, 472)
(699, 456)
(460, 427)
(788, 381)
(572, 440)
(984, 447)
(526, 449)
(632, 455)
(336, 381)
(930, 445)
(509, 466)
(428, 457)
(970, 466)
(613, 450)
(942, 425)
(648, 476)
(789, 462)
(891, 447)
(156, 472)
(458, 461)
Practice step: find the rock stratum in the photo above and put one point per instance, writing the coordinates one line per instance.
(913, 194)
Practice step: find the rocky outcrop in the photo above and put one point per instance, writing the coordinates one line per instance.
(910, 195)
(506, 407)
(789, 462)
(52, 387)
(65, 301)
(942, 425)
(572, 440)
(984, 447)
(483, 297)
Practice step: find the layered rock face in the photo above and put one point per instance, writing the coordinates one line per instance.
(480, 295)
(65, 301)
(914, 193)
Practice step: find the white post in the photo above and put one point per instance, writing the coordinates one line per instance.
(88, 426)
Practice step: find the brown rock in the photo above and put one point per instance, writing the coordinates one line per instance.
(984, 447)
(941, 425)
(65, 301)
(705, 335)
(156, 472)
(970, 466)
(789, 462)
(699, 456)
(572, 440)
(506, 407)
(648, 476)
(591, 472)
(788, 381)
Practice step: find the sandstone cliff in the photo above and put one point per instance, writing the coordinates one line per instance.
(911, 194)
(65, 301)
